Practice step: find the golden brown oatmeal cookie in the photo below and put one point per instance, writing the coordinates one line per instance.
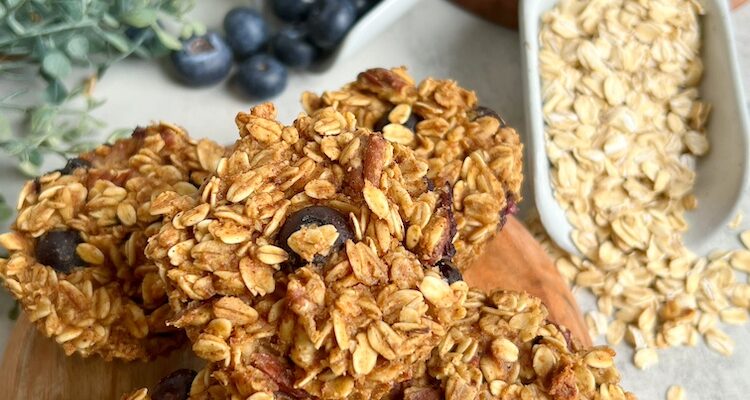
(504, 348)
(318, 255)
(465, 144)
(76, 261)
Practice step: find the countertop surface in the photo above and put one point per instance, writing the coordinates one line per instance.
(439, 40)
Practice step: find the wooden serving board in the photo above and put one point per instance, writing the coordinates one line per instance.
(34, 367)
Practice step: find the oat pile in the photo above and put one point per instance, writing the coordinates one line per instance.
(76, 261)
(293, 274)
(625, 123)
(466, 145)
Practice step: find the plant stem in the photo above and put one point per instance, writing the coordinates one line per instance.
(47, 32)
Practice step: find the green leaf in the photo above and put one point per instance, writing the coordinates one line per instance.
(30, 162)
(56, 65)
(14, 25)
(13, 148)
(41, 119)
(73, 134)
(166, 39)
(56, 92)
(140, 18)
(110, 21)
(187, 31)
(54, 142)
(93, 102)
(13, 3)
(83, 147)
(28, 169)
(100, 70)
(118, 41)
(78, 47)
(199, 29)
(74, 9)
(118, 134)
(35, 158)
(5, 131)
(3, 11)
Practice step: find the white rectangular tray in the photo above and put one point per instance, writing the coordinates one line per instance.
(722, 175)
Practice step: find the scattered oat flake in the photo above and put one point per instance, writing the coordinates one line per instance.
(734, 315)
(720, 342)
(676, 392)
(745, 238)
(736, 221)
(645, 358)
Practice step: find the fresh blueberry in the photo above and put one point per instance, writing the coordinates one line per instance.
(482, 111)
(291, 10)
(363, 6)
(450, 272)
(429, 183)
(203, 60)
(175, 386)
(57, 249)
(262, 76)
(291, 48)
(246, 30)
(511, 208)
(329, 21)
(73, 164)
(315, 216)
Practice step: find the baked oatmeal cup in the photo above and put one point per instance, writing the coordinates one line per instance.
(320, 249)
(504, 348)
(465, 144)
(76, 261)
(318, 263)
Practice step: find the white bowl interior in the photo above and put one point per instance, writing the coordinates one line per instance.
(369, 26)
(722, 174)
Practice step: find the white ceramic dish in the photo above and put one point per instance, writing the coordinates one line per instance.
(368, 27)
(374, 22)
(722, 175)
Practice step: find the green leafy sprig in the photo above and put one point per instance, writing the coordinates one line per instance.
(47, 43)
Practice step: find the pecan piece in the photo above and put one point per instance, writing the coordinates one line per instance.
(279, 373)
(443, 247)
(374, 158)
(372, 154)
(426, 393)
(387, 84)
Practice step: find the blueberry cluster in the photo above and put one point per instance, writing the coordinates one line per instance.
(311, 29)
